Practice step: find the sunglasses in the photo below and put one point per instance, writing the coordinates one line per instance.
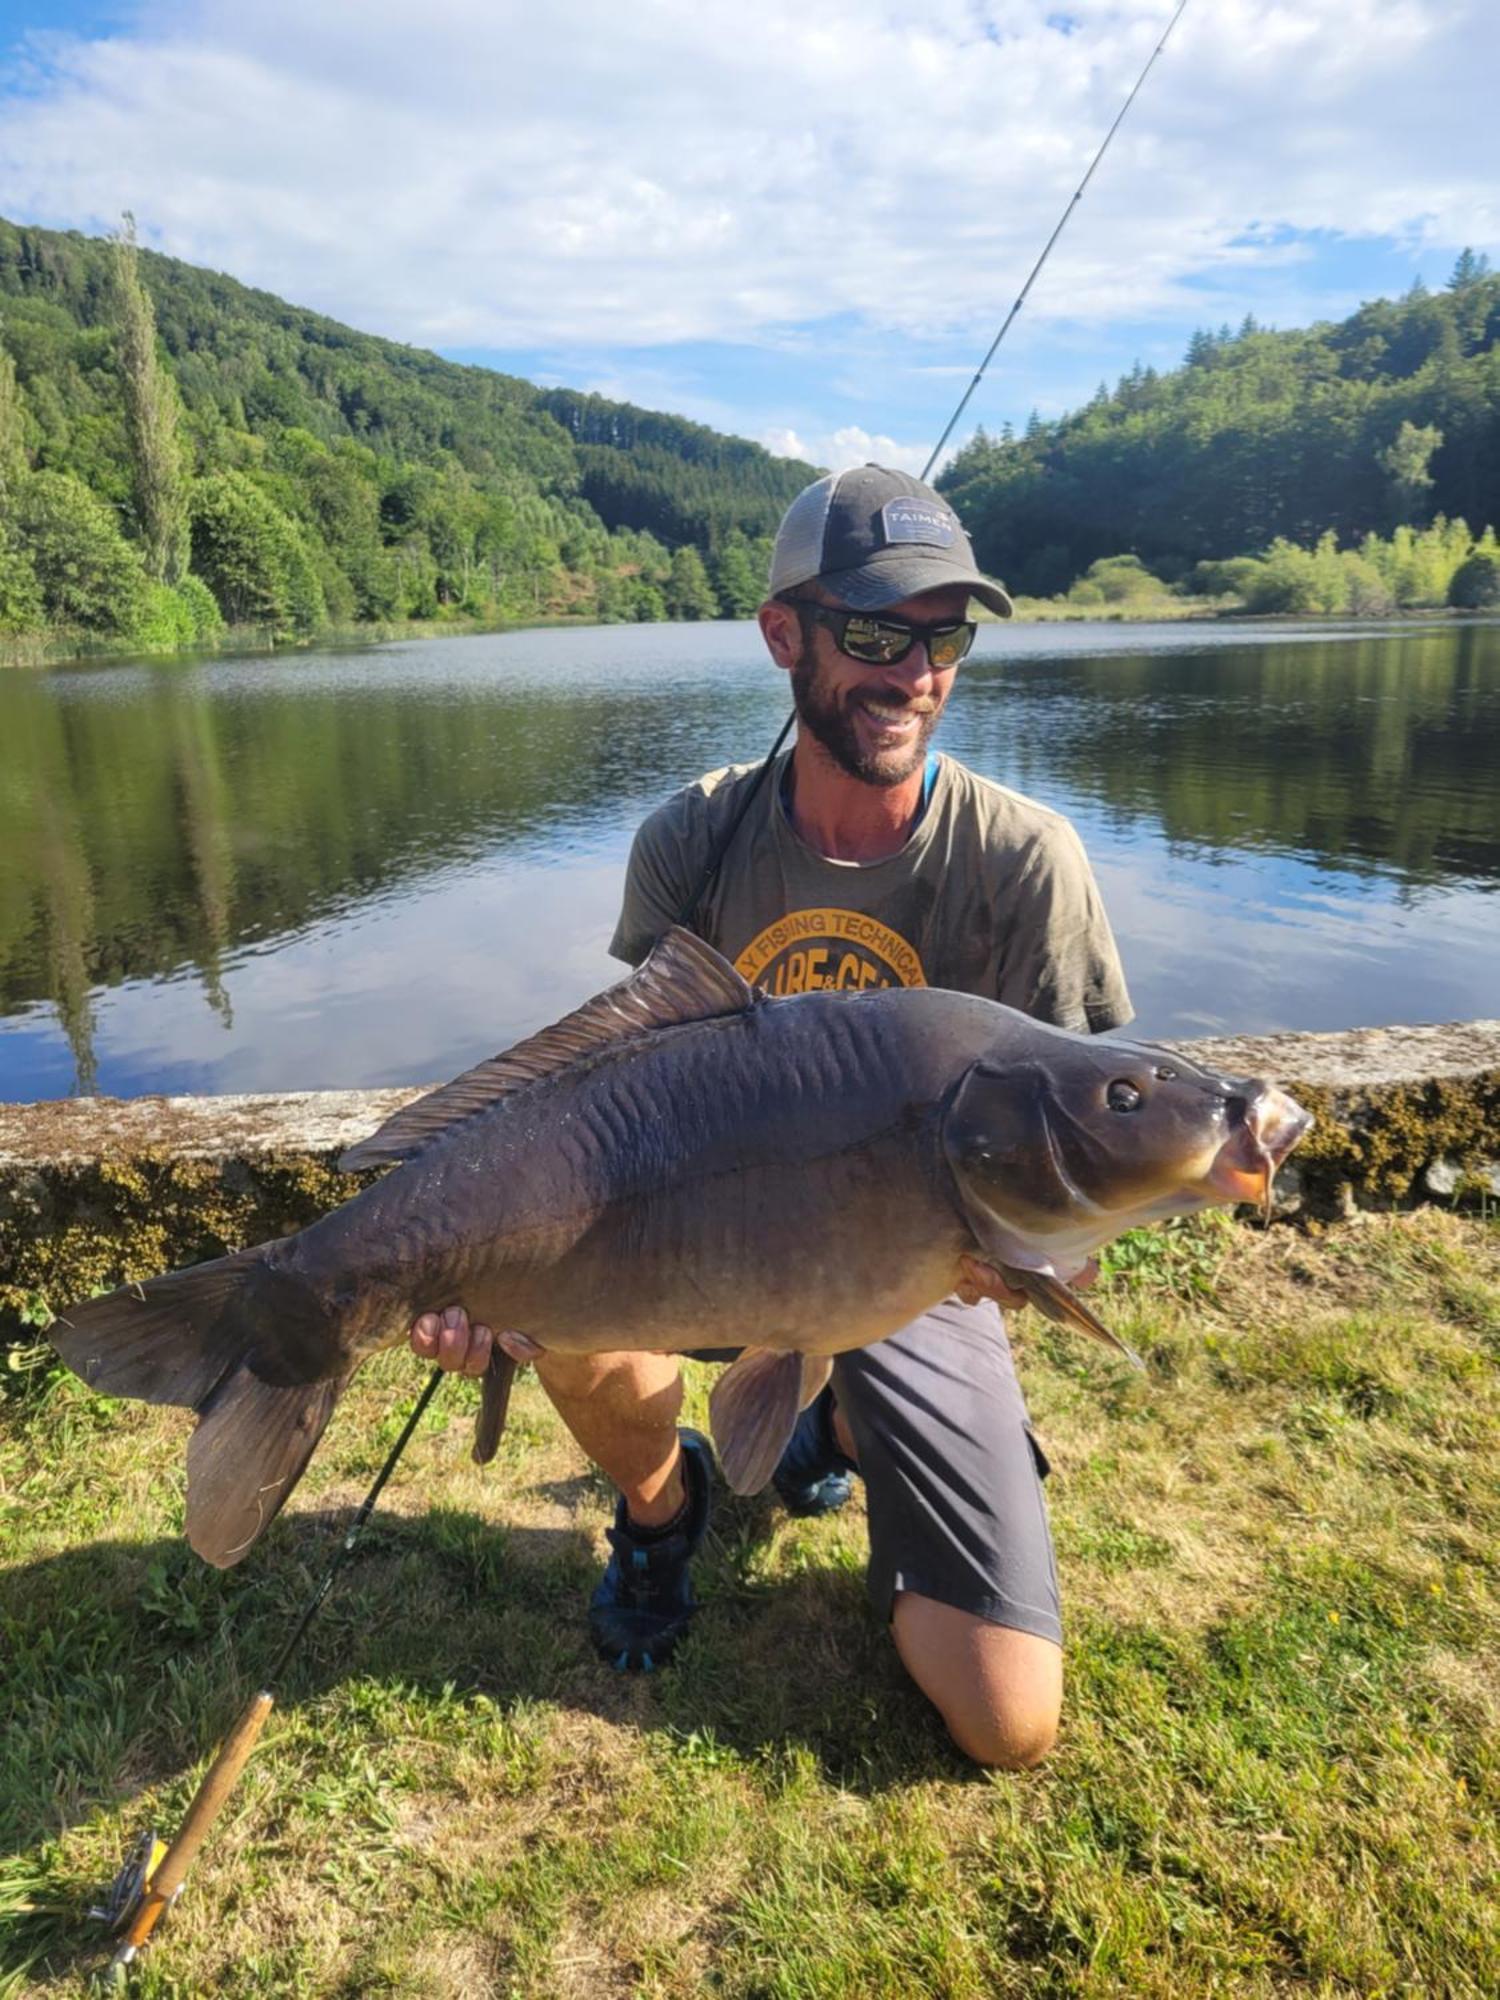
(884, 642)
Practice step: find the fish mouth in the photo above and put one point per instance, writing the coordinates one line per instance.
(1246, 1164)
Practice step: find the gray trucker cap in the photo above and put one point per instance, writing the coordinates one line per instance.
(872, 537)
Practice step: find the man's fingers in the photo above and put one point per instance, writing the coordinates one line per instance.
(979, 1280)
(462, 1347)
(480, 1342)
(456, 1344)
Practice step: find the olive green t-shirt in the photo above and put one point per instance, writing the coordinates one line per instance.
(992, 894)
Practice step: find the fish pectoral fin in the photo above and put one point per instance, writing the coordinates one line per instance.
(252, 1443)
(1051, 1296)
(753, 1411)
(494, 1401)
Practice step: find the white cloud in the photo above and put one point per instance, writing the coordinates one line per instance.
(479, 173)
(838, 450)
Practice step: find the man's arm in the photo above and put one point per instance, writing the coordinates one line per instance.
(659, 878)
(1060, 963)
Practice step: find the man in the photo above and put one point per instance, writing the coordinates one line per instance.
(864, 860)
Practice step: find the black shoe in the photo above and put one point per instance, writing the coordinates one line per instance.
(814, 1475)
(644, 1601)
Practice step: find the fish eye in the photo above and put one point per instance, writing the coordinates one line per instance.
(1123, 1095)
(1163, 1074)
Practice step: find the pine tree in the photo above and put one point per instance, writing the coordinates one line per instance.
(1468, 270)
(152, 412)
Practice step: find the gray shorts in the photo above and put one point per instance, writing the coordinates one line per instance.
(952, 1471)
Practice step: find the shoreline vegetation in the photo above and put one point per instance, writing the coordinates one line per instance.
(182, 457)
(1149, 607)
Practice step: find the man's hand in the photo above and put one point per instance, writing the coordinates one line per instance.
(460, 1348)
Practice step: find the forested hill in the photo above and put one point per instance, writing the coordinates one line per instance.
(1391, 416)
(306, 472)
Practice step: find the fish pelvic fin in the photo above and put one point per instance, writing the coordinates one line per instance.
(252, 1443)
(1053, 1298)
(753, 1410)
(494, 1402)
(683, 979)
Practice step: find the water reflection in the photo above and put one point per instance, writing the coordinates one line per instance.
(341, 869)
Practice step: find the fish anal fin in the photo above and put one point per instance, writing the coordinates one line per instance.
(816, 1369)
(1051, 1296)
(494, 1402)
(683, 979)
(752, 1412)
(252, 1442)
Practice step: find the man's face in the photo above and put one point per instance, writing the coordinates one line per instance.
(875, 722)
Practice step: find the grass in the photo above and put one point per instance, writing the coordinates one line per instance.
(1278, 1769)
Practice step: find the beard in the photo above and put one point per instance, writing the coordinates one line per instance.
(830, 718)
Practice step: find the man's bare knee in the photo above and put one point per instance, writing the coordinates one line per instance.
(1010, 1742)
(999, 1691)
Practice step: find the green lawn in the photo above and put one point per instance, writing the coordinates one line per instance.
(1278, 1767)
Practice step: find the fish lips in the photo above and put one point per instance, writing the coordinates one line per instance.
(1270, 1124)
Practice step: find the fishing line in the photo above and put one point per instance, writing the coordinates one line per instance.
(1062, 223)
(152, 1877)
(716, 857)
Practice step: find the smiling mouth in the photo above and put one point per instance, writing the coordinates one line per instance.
(895, 715)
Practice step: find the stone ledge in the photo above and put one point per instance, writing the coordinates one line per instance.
(97, 1190)
(77, 1131)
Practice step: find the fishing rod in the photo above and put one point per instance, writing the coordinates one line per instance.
(154, 1872)
(716, 857)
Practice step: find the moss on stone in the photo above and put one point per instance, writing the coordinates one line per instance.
(1375, 1142)
(67, 1232)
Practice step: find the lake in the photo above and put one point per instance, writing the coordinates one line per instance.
(378, 866)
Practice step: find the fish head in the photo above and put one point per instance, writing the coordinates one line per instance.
(1071, 1145)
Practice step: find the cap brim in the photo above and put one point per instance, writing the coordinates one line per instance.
(893, 574)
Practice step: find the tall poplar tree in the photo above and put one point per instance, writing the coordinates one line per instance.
(12, 432)
(152, 412)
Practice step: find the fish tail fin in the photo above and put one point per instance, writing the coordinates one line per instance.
(252, 1444)
(169, 1340)
(241, 1343)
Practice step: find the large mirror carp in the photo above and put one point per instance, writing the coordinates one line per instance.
(684, 1163)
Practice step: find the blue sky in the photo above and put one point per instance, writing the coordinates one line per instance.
(802, 225)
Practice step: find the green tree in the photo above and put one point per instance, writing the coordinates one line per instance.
(12, 427)
(1406, 463)
(252, 557)
(1476, 582)
(1468, 270)
(151, 418)
(689, 593)
(21, 606)
(739, 585)
(88, 574)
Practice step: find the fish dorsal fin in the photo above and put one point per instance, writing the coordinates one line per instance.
(683, 979)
